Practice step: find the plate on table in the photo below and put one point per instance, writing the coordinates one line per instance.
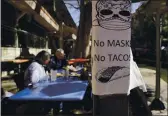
(59, 75)
(78, 68)
(74, 74)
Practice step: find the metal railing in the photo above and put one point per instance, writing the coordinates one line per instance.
(25, 39)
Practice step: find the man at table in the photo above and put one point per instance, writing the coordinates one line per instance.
(36, 71)
(58, 61)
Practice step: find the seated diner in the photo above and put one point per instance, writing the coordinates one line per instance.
(36, 71)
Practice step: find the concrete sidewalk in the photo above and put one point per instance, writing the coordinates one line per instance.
(150, 79)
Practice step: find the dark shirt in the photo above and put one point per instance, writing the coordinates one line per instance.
(57, 63)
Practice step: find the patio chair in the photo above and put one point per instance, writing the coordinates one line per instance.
(19, 80)
(6, 106)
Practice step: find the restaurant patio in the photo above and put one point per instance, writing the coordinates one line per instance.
(66, 27)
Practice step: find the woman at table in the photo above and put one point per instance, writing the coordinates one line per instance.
(34, 74)
(36, 71)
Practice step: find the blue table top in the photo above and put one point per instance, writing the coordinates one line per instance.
(60, 90)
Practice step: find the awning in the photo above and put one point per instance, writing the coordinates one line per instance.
(67, 31)
(41, 16)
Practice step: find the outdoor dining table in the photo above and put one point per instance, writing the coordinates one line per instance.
(62, 89)
(20, 62)
(16, 60)
(14, 64)
(78, 60)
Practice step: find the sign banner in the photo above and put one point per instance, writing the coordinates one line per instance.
(111, 42)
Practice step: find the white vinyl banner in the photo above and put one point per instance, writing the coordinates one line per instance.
(111, 40)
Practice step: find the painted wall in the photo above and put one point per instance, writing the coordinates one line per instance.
(10, 53)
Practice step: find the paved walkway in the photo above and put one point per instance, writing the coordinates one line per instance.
(149, 77)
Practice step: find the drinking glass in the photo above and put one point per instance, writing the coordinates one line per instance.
(53, 75)
(66, 74)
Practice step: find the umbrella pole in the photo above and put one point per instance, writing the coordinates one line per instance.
(157, 104)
